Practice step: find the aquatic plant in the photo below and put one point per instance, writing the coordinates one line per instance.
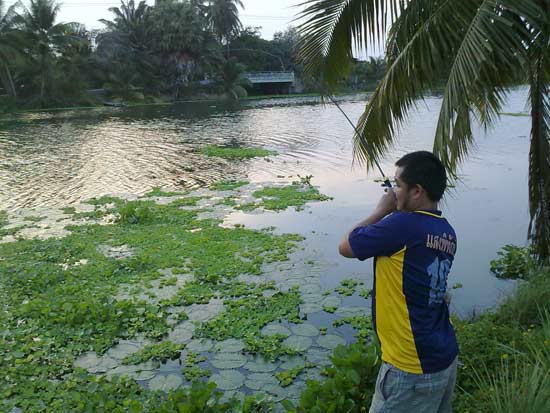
(514, 262)
(236, 153)
(228, 185)
(348, 286)
(162, 351)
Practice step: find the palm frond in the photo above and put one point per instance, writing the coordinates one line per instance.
(334, 29)
(484, 65)
(419, 63)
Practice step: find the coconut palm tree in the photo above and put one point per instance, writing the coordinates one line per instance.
(43, 36)
(480, 48)
(224, 18)
(8, 47)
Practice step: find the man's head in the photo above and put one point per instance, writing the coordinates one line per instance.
(421, 181)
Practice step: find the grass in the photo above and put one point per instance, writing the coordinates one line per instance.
(236, 153)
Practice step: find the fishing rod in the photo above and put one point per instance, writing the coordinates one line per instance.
(387, 182)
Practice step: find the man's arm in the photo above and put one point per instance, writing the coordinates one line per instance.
(386, 206)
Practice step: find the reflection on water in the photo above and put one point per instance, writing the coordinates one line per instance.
(55, 159)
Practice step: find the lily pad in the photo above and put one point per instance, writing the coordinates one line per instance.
(312, 298)
(331, 301)
(228, 379)
(330, 341)
(88, 360)
(200, 345)
(228, 361)
(310, 308)
(231, 345)
(272, 329)
(180, 335)
(319, 356)
(306, 330)
(261, 365)
(257, 381)
(310, 289)
(123, 349)
(298, 343)
(166, 383)
(290, 362)
(106, 364)
(350, 311)
(276, 391)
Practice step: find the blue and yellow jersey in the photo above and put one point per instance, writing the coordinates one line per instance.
(413, 254)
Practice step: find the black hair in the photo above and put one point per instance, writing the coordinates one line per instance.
(425, 169)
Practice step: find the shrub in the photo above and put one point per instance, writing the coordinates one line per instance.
(349, 385)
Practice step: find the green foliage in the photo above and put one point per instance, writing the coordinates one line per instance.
(236, 153)
(193, 373)
(365, 293)
(361, 323)
(245, 317)
(270, 347)
(53, 310)
(330, 309)
(156, 191)
(3, 218)
(287, 377)
(162, 351)
(228, 185)
(348, 286)
(135, 212)
(529, 301)
(514, 262)
(349, 385)
(280, 198)
(34, 218)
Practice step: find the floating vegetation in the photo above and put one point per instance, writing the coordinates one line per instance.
(59, 301)
(348, 286)
(159, 351)
(457, 286)
(194, 373)
(228, 185)
(34, 218)
(280, 198)
(365, 293)
(236, 153)
(287, 377)
(158, 192)
(329, 309)
(361, 323)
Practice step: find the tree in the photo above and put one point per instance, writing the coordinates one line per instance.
(124, 49)
(224, 19)
(8, 47)
(478, 47)
(179, 37)
(43, 37)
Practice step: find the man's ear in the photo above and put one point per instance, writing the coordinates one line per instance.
(419, 191)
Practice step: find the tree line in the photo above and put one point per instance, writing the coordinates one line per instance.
(173, 49)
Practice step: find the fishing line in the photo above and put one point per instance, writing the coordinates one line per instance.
(387, 182)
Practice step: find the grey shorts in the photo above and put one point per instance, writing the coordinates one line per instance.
(398, 391)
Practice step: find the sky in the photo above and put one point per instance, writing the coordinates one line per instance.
(272, 15)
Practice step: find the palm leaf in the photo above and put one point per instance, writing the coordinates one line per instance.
(333, 29)
(417, 66)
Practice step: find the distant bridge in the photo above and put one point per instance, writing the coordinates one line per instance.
(269, 77)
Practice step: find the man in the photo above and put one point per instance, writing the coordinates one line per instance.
(414, 247)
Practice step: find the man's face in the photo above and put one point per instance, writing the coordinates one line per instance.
(403, 193)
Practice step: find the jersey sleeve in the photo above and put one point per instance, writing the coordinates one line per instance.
(384, 238)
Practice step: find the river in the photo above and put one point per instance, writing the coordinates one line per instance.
(54, 159)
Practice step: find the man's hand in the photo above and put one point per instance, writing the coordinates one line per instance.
(387, 204)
